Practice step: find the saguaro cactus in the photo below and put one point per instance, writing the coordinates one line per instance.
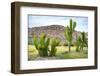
(69, 31)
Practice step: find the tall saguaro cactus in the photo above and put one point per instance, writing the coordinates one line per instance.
(68, 33)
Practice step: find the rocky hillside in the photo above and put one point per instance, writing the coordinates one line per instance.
(56, 31)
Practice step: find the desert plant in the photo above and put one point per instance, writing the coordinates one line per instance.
(78, 43)
(42, 44)
(83, 40)
(54, 42)
(68, 32)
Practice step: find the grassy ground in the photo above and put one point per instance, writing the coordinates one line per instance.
(62, 53)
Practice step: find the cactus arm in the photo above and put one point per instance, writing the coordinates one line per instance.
(71, 24)
(74, 25)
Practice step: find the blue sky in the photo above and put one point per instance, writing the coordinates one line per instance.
(39, 20)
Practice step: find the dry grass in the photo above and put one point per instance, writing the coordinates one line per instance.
(62, 53)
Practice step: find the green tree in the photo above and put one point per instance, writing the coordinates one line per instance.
(68, 33)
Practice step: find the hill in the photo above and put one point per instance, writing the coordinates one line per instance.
(56, 31)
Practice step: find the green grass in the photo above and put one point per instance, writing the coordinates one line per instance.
(72, 55)
(62, 53)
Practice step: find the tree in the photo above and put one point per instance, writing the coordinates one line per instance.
(68, 33)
